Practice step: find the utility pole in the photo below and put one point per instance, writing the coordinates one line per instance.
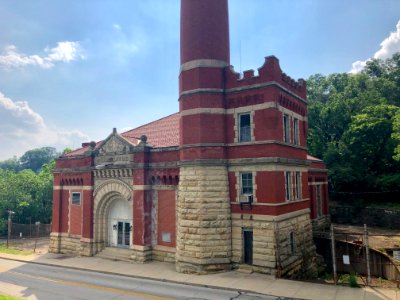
(367, 254)
(10, 213)
(333, 255)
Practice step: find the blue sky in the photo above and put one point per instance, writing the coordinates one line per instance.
(70, 71)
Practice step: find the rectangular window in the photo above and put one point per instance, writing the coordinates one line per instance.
(246, 183)
(296, 137)
(297, 186)
(244, 128)
(292, 243)
(288, 186)
(76, 198)
(286, 128)
(319, 200)
(166, 237)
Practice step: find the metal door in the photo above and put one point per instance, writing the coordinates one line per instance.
(248, 246)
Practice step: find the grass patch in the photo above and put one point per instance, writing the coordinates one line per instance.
(12, 250)
(5, 297)
(349, 279)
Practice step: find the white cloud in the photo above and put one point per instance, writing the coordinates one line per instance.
(63, 52)
(389, 46)
(22, 129)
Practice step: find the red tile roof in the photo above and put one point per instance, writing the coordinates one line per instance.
(160, 133)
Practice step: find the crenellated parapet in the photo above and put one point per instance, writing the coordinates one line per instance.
(269, 72)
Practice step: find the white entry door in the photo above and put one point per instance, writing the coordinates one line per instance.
(120, 224)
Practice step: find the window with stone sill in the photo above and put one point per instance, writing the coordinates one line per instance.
(296, 135)
(76, 198)
(297, 186)
(319, 199)
(244, 127)
(246, 183)
(293, 189)
(286, 128)
(288, 186)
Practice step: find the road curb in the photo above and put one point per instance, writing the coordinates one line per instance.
(149, 278)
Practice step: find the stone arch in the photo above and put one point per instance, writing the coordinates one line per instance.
(104, 195)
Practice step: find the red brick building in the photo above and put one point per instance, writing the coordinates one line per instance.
(224, 182)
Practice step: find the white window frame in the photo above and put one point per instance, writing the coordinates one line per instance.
(246, 131)
(241, 183)
(286, 128)
(288, 186)
(297, 186)
(296, 134)
(73, 201)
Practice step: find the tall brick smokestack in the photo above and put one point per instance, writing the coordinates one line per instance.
(204, 30)
(204, 235)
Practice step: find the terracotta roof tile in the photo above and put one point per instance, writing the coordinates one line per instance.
(160, 133)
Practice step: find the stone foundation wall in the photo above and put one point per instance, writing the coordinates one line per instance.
(204, 220)
(271, 244)
(163, 254)
(69, 244)
(55, 243)
(300, 263)
(141, 254)
(321, 224)
(86, 248)
(264, 257)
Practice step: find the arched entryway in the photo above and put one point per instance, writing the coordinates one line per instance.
(113, 215)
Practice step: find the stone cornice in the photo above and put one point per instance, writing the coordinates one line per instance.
(203, 63)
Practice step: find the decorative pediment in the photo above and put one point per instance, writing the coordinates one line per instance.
(115, 144)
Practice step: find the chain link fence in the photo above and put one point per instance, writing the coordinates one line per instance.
(30, 230)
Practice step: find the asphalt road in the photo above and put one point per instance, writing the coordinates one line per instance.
(35, 281)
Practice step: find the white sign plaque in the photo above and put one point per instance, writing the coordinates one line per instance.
(396, 254)
(346, 259)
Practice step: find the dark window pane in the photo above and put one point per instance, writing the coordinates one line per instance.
(245, 128)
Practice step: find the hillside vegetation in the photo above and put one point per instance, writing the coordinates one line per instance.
(354, 126)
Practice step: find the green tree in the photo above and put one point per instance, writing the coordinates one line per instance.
(11, 164)
(367, 146)
(354, 126)
(396, 135)
(36, 158)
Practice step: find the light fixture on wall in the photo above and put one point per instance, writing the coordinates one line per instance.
(115, 226)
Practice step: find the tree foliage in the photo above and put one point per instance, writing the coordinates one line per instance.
(354, 125)
(28, 194)
(26, 187)
(36, 158)
(33, 159)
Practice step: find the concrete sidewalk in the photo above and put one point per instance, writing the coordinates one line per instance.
(234, 280)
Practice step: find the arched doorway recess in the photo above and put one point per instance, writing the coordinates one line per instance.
(113, 215)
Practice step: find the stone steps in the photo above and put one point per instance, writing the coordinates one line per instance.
(117, 254)
(247, 269)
